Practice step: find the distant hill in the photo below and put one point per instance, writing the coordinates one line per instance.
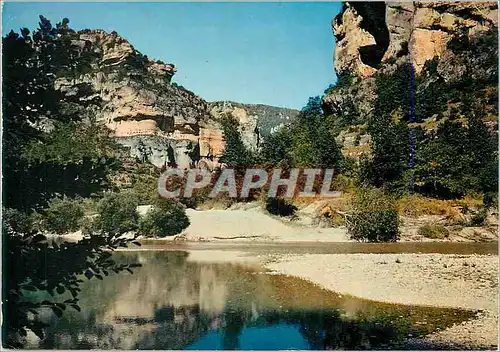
(268, 118)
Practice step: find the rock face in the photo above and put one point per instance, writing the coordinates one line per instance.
(361, 37)
(370, 33)
(375, 39)
(159, 121)
(247, 123)
(256, 121)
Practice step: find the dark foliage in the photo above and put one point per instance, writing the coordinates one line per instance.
(280, 207)
(167, 218)
(48, 151)
(458, 158)
(31, 64)
(117, 213)
(374, 217)
(235, 153)
(275, 149)
(459, 154)
(31, 263)
(62, 216)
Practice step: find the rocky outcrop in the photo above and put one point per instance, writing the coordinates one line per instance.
(370, 33)
(247, 123)
(255, 123)
(380, 37)
(361, 37)
(211, 146)
(255, 117)
(159, 121)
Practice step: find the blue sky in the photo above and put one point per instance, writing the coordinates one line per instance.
(269, 53)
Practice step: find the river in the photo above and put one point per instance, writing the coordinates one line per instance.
(172, 302)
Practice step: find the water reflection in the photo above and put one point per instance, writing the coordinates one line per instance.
(172, 303)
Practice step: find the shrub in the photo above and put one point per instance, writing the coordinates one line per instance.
(91, 225)
(433, 231)
(89, 206)
(16, 221)
(117, 213)
(417, 205)
(344, 183)
(374, 217)
(62, 216)
(145, 187)
(166, 218)
(479, 218)
(280, 206)
(198, 197)
(490, 199)
(336, 219)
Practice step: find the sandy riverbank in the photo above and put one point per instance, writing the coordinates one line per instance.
(443, 280)
(249, 222)
(253, 225)
(418, 279)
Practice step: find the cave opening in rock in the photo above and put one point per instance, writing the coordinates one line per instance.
(373, 14)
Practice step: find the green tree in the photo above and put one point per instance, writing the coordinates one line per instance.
(166, 218)
(31, 104)
(389, 128)
(62, 216)
(460, 156)
(308, 141)
(275, 148)
(235, 153)
(374, 217)
(48, 151)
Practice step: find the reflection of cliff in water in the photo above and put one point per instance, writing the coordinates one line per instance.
(172, 303)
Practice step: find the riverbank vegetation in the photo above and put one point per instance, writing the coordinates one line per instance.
(433, 142)
(59, 167)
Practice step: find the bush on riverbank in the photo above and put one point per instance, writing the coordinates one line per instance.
(60, 217)
(117, 213)
(480, 217)
(433, 231)
(166, 218)
(280, 207)
(15, 220)
(374, 217)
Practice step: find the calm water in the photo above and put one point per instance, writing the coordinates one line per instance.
(173, 303)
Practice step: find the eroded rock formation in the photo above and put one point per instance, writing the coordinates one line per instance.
(376, 39)
(160, 121)
(370, 33)
(157, 119)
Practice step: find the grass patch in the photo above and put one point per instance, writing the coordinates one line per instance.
(416, 206)
(434, 231)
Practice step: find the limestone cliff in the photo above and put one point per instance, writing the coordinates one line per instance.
(371, 33)
(373, 39)
(257, 121)
(135, 98)
(159, 121)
